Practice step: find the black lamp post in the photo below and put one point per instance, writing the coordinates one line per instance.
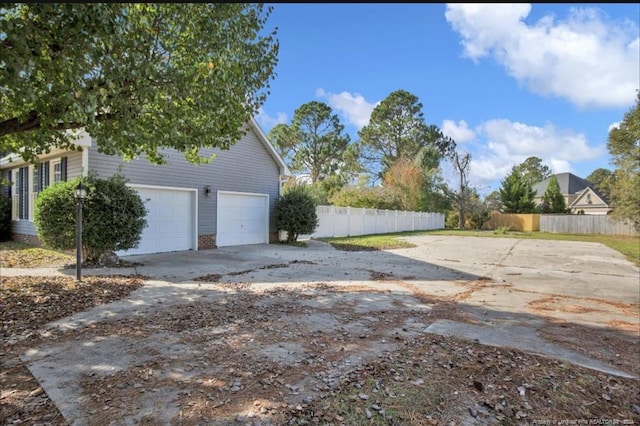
(80, 194)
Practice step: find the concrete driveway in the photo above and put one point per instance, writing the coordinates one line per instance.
(510, 275)
(504, 292)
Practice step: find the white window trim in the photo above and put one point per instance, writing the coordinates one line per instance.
(52, 170)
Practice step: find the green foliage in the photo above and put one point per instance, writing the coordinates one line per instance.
(397, 129)
(625, 196)
(296, 213)
(516, 194)
(113, 216)
(5, 218)
(553, 201)
(137, 77)
(314, 143)
(602, 179)
(501, 230)
(533, 171)
(452, 219)
(493, 201)
(437, 197)
(479, 216)
(476, 213)
(623, 140)
(624, 147)
(436, 194)
(323, 190)
(367, 197)
(55, 216)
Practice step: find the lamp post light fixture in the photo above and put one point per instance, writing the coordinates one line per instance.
(80, 193)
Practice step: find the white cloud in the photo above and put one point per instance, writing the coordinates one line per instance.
(354, 107)
(561, 166)
(510, 143)
(614, 125)
(459, 132)
(266, 121)
(587, 58)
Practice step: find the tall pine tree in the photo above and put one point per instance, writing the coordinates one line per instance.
(553, 201)
(516, 194)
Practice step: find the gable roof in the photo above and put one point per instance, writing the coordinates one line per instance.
(589, 198)
(267, 143)
(569, 184)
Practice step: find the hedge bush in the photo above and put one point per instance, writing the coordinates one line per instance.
(296, 213)
(113, 216)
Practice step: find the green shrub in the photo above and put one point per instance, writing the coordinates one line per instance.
(501, 230)
(5, 218)
(366, 198)
(113, 216)
(479, 217)
(296, 213)
(452, 219)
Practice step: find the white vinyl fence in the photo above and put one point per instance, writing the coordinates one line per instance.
(349, 221)
(585, 224)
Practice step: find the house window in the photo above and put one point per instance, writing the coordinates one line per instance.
(36, 179)
(29, 181)
(589, 199)
(22, 193)
(56, 171)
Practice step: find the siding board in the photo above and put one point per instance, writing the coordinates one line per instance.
(246, 167)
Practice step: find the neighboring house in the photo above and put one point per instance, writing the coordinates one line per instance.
(579, 194)
(227, 202)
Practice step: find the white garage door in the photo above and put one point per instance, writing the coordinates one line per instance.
(170, 220)
(242, 219)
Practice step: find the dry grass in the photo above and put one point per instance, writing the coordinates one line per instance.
(19, 255)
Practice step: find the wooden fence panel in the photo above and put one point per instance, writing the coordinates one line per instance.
(586, 224)
(515, 222)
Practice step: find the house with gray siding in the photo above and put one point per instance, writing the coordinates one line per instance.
(229, 201)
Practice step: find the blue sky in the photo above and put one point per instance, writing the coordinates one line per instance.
(505, 81)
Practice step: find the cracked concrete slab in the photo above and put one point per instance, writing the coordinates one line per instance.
(513, 288)
(519, 337)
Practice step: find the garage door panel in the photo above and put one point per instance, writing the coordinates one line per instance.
(242, 219)
(170, 221)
